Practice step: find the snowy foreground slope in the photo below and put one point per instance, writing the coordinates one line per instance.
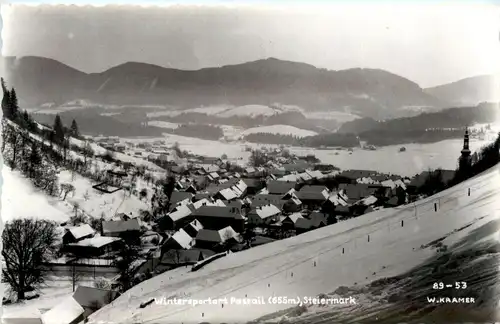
(390, 274)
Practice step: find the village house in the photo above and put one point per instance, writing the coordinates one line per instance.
(176, 219)
(178, 258)
(292, 205)
(263, 215)
(215, 217)
(313, 196)
(131, 228)
(92, 299)
(178, 196)
(180, 240)
(353, 175)
(193, 228)
(288, 223)
(277, 187)
(78, 233)
(356, 192)
(214, 239)
(265, 199)
(94, 247)
(313, 221)
(253, 185)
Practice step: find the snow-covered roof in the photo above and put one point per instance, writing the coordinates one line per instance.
(400, 183)
(180, 212)
(183, 239)
(97, 242)
(370, 200)
(338, 199)
(206, 202)
(294, 217)
(228, 193)
(388, 183)
(81, 231)
(121, 226)
(28, 315)
(216, 236)
(267, 211)
(64, 313)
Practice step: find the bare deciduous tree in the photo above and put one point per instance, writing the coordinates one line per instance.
(66, 188)
(27, 243)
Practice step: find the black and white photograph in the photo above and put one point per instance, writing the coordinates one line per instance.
(239, 163)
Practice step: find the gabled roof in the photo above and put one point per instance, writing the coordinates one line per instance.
(313, 193)
(180, 212)
(121, 226)
(207, 202)
(190, 256)
(90, 296)
(178, 196)
(96, 242)
(196, 225)
(266, 211)
(279, 187)
(183, 239)
(228, 194)
(216, 236)
(338, 199)
(216, 211)
(294, 217)
(317, 218)
(357, 191)
(81, 231)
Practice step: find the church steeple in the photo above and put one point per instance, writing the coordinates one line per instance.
(466, 151)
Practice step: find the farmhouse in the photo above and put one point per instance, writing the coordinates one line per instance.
(276, 187)
(174, 258)
(95, 246)
(78, 233)
(313, 196)
(118, 228)
(180, 240)
(262, 215)
(213, 239)
(215, 218)
(176, 219)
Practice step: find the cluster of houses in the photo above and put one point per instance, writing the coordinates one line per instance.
(214, 208)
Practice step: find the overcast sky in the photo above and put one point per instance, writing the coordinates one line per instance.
(428, 44)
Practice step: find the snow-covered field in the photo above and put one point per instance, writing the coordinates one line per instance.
(21, 200)
(163, 124)
(377, 245)
(332, 115)
(279, 129)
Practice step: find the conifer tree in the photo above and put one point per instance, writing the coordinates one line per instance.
(5, 100)
(74, 129)
(58, 130)
(12, 104)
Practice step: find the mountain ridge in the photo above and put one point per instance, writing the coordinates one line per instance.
(370, 92)
(469, 91)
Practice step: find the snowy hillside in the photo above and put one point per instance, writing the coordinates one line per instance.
(377, 245)
(279, 129)
(229, 111)
(21, 200)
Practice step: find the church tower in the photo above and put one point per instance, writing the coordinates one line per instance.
(465, 159)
